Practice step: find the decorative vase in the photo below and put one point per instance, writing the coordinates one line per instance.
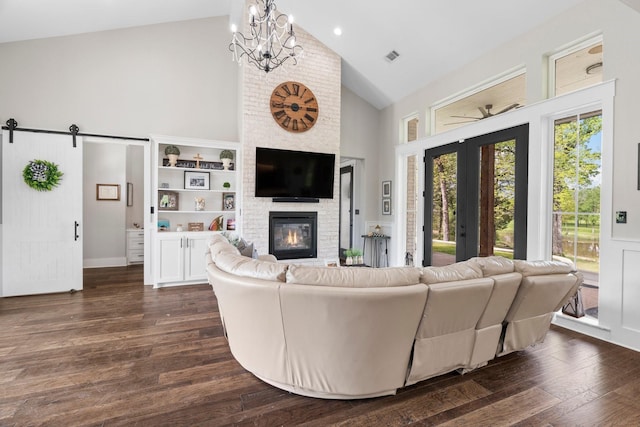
(173, 158)
(226, 163)
(360, 259)
(349, 261)
(199, 203)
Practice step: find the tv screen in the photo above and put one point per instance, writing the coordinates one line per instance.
(294, 174)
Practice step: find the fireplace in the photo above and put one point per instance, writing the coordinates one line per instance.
(293, 234)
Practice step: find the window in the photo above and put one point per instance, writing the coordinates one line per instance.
(497, 96)
(577, 174)
(576, 67)
(409, 129)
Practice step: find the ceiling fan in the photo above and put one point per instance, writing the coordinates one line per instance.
(486, 112)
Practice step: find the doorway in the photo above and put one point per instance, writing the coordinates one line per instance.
(346, 209)
(477, 194)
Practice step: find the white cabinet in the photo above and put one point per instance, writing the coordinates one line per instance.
(194, 195)
(135, 246)
(181, 257)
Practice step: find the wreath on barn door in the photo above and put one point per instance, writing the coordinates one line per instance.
(41, 175)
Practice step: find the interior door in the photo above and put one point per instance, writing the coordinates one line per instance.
(346, 208)
(42, 230)
(477, 191)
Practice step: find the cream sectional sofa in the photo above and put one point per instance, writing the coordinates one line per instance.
(350, 333)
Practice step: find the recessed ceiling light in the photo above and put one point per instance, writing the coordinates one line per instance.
(337, 31)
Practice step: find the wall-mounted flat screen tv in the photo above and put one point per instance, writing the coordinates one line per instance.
(294, 174)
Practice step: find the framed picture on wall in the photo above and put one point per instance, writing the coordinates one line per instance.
(129, 194)
(107, 191)
(386, 188)
(386, 206)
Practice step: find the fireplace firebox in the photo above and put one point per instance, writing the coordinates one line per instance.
(293, 235)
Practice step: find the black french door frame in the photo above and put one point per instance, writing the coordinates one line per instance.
(468, 172)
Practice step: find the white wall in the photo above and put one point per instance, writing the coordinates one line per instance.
(359, 139)
(171, 79)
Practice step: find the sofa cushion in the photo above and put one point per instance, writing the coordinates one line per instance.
(451, 273)
(353, 277)
(221, 246)
(248, 267)
(537, 268)
(494, 265)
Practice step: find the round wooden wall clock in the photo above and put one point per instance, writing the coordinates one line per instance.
(294, 107)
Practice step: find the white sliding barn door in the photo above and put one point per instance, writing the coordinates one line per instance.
(42, 230)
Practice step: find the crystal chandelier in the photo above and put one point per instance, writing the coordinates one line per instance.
(272, 40)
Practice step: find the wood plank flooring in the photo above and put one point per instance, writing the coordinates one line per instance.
(122, 354)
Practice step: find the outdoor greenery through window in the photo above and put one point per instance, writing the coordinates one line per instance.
(576, 197)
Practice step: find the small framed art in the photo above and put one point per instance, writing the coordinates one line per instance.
(129, 194)
(196, 180)
(386, 206)
(168, 200)
(386, 188)
(107, 191)
(228, 201)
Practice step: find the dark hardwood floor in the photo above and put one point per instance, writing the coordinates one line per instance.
(122, 354)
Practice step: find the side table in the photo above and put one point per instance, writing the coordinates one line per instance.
(375, 241)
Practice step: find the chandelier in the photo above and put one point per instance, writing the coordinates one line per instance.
(271, 41)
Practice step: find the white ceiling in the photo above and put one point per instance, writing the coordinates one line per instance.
(433, 37)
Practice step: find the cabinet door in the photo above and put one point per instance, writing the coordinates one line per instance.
(170, 259)
(195, 263)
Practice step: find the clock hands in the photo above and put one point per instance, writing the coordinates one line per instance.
(294, 107)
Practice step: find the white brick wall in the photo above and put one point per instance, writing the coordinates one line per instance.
(319, 70)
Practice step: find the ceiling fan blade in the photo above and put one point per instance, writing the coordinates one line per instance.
(510, 107)
(459, 123)
(468, 117)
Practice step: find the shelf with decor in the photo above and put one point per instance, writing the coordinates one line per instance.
(197, 189)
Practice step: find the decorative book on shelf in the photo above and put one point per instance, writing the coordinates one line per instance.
(191, 164)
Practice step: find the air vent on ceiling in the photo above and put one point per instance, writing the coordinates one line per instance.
(392, 56)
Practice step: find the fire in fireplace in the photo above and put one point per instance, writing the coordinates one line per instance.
(293, 234)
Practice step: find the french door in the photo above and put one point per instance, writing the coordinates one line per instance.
(476, 198)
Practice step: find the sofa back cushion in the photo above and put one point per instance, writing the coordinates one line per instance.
(217, 247)
(353, 277)
(537, 268)
(493, 265)
(451, 273)
(239, 265)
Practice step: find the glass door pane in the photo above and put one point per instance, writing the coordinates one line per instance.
(496, 205)
(440, 249)
(576, 199)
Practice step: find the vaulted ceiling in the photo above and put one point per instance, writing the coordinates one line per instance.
(432, 37)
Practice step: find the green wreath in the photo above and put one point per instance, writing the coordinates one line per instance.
(41, 175)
